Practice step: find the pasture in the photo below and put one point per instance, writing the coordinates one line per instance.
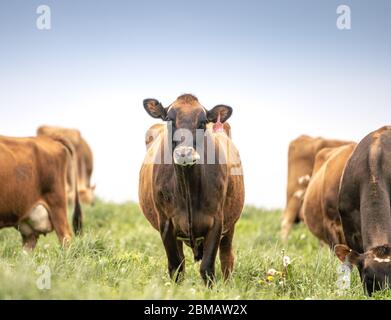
(120, 256)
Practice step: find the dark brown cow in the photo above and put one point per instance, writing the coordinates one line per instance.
(301, 158)
(364, 205)
(320, 202)
(32, 189)
(83, 162)
(184, 196)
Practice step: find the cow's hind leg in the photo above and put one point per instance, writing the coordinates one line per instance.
(211, 245)
(174, 251)
(59, 219)
(226, 254)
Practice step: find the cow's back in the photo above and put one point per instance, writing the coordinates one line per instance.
(364, 200)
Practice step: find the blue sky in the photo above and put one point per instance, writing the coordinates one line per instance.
(283, 66)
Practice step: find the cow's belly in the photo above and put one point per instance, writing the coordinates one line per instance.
(36, 221)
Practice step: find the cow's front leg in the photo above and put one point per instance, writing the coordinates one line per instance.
(211, 245)
(174, 250)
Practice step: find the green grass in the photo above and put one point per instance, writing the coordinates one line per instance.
(120, 256)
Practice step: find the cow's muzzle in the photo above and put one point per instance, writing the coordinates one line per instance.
(185, 156)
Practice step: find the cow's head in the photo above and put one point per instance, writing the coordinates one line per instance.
(374, 265)
(188, 119)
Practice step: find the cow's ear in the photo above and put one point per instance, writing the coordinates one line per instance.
(345, 254)
(221, 110)
(154, 109)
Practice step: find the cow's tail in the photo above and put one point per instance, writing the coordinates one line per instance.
(77, 218)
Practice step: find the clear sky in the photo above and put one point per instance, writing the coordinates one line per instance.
(284, 67)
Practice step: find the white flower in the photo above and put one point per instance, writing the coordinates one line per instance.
(271, 272)
(286, 261)
(192, 290)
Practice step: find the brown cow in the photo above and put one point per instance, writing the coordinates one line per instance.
(319, 208)
(32, 189)
(83, 161)
(188, 195)
(301, 159)
(364, 206)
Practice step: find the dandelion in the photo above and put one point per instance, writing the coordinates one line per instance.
(270, 278)
(271, 272)
(286, 261)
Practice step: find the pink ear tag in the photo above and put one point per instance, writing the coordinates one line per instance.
(218, 126)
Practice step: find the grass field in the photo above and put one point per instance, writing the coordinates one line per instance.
(120, 256)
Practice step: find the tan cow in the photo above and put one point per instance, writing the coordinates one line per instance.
(320, 202)
(32, 190)
(301, 159)
(182, 194)
(83, 162)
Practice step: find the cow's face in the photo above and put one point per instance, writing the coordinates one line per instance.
(374, 265)
(188, 119)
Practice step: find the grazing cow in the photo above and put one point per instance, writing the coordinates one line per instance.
(364, 206)
(319, 208)
(301, 158)
(83, 162)
(32, 189)
(190, 196)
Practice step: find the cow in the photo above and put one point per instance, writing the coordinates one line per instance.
(189, 196)
(33, 188)
(364, 206)
(301, 159)
(83, 162)
(320, 202)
